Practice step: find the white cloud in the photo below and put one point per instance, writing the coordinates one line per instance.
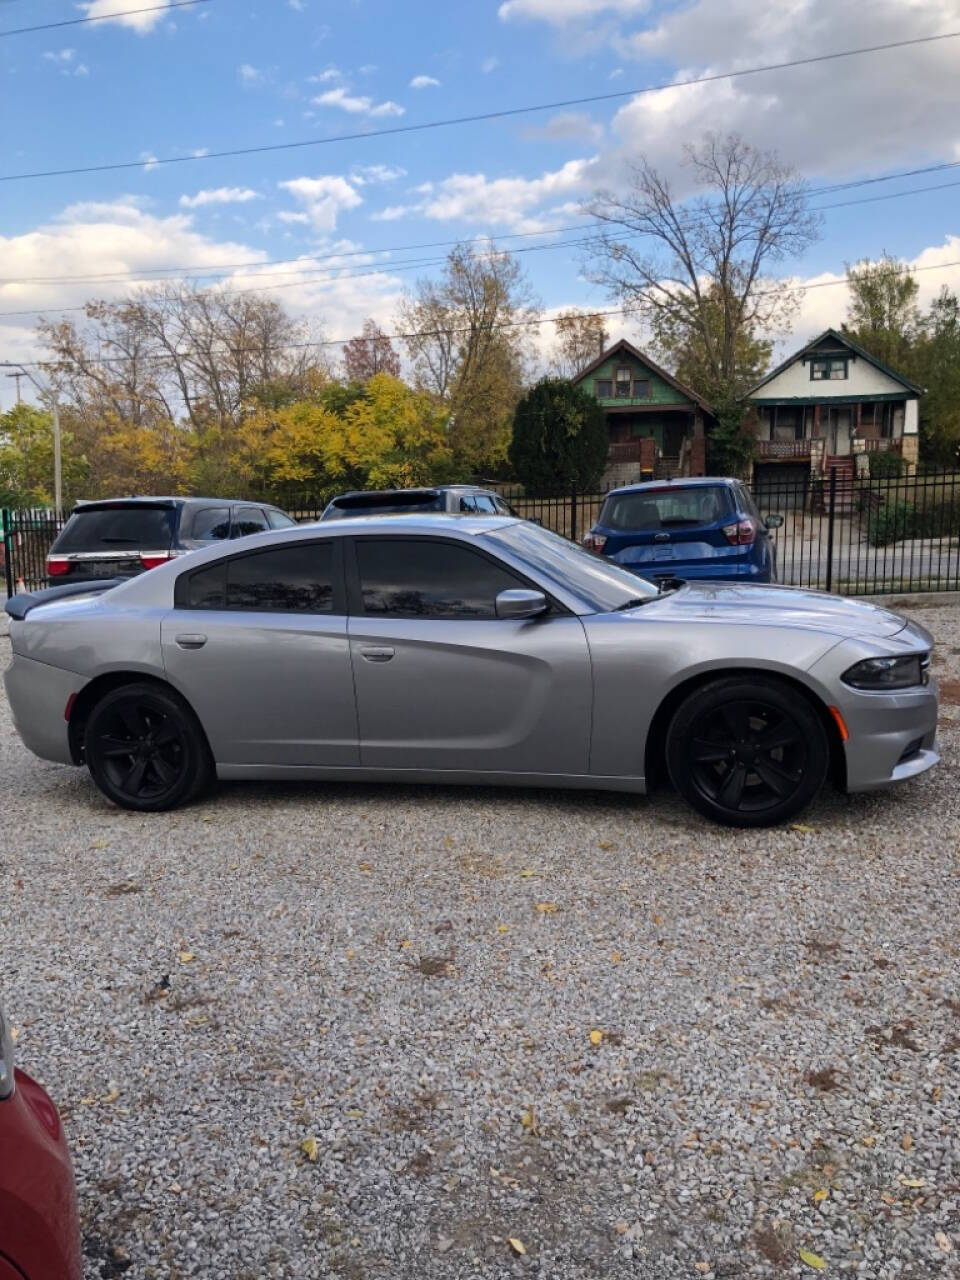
(119, 11)
(357, 104)
(513, 203)
(365, 174)
(559, 12)
(291, 218)
(567, 126)
(62, 56)
(250, 76)
(219, 195)
(325, 76)
(489, 64)
(393, 212)
(324, 198)
(150, 161)
(299, 5)
(424, 82)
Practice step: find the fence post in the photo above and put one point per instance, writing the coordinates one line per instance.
(573, 513)
(831, 516)
(7, 552)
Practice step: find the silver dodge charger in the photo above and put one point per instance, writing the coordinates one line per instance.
(454, 649)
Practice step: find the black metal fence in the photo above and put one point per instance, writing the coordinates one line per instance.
(852, 535)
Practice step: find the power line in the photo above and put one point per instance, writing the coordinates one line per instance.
(160, 274)
(479, 117)
(506, 324)
(103, 17)
(301, 276)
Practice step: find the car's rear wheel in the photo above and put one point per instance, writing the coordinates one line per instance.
(747, 751)
(145, 749)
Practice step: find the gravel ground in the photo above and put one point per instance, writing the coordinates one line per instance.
(634, 1044)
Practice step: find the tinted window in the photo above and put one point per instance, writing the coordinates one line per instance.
(486, 505)
(294, 579)
(279, 520)
(504, 508)
(118, 529)
(665, 508)
(468, 502)
(420, 579)
(248, 520)
(748, 504)
(385, 504)
(210, 524)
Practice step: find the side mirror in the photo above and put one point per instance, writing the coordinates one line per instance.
(521, 603)
(773, 522)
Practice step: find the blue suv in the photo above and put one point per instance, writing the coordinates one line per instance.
(705, 528)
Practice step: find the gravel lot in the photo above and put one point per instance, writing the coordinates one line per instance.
(635, 1044)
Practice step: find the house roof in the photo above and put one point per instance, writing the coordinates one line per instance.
(624, 345)
(844, 341)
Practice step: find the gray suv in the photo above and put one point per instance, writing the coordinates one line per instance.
(121, 537)
(449, 499)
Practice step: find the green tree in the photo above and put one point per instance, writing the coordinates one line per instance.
(937, 368)
(882, 315)
(559, 438)
(684, 350)
(26, 459)
(731, 444)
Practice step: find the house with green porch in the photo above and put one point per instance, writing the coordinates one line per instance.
(656, 426)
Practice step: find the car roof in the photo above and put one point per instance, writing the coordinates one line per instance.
(172, 500)
(681, 482)
(406, 522)
(424, 489)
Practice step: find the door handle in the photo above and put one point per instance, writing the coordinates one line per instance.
(191, 641)
(381, 654)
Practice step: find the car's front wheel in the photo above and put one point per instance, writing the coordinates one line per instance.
(748, 751)
(145, 748)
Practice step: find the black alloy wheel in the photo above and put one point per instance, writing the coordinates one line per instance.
(748, 752)
(145, 748)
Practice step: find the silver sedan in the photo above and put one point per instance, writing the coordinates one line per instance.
(445, 649)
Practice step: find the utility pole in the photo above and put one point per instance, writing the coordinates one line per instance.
(48, 396)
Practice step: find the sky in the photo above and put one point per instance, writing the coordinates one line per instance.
(355, 215)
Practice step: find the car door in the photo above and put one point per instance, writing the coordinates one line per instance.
(442, 683)
(258, 645)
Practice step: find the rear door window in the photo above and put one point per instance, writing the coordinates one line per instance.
(248, 520)
(297, 578)
(279, 520)
(210, 524)
(486, 505)
(468, 503)
(666, 508)
(132, 528)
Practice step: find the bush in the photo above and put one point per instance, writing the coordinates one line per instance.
(559, 439)
(891, 523)
(888, 463)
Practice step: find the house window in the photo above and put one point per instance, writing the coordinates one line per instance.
(603, 388)
(623, 384)
(641, 388)
(833, 369)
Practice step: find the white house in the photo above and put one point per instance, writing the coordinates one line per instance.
(832, 404)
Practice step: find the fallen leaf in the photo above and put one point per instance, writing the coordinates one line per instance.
(405, 943)
(812, 1259)
(503, 928)
(943, 1241)
(888, 1199)
(309, 1148)
(912, 1182)
(99, 844)
(704, 1268)
(936, 1093)
(527, 874)
(518, 1247)
(365, 867)
(907, 1142)
(113, 1095)
(607, 845)
(868, 1142)
(185, 957)
(616, 958)
(529, 1120)
(546, 908)
(354, 1113)
(621, 1228)
(820, 1196)
(804, 831)
(88, 1102)
(596, 1037)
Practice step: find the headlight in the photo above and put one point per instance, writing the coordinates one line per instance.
(6, 1058)
(889, 673)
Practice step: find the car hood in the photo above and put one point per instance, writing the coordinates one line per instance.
(772, 606)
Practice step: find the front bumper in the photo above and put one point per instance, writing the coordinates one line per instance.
(39, 1225)
(892, 736)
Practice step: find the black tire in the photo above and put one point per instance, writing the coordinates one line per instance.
(145, 749)
(747, 751)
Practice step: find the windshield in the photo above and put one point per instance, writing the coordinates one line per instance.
(137, 527)
(646, 509)
(600, 584)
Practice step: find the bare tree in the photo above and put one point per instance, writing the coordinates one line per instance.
(371, 352)
(712, 250)
(581, 337)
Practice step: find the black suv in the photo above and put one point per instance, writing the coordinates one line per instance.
(120, 537)
(464, 499)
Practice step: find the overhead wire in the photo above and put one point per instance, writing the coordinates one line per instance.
(103, 17)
